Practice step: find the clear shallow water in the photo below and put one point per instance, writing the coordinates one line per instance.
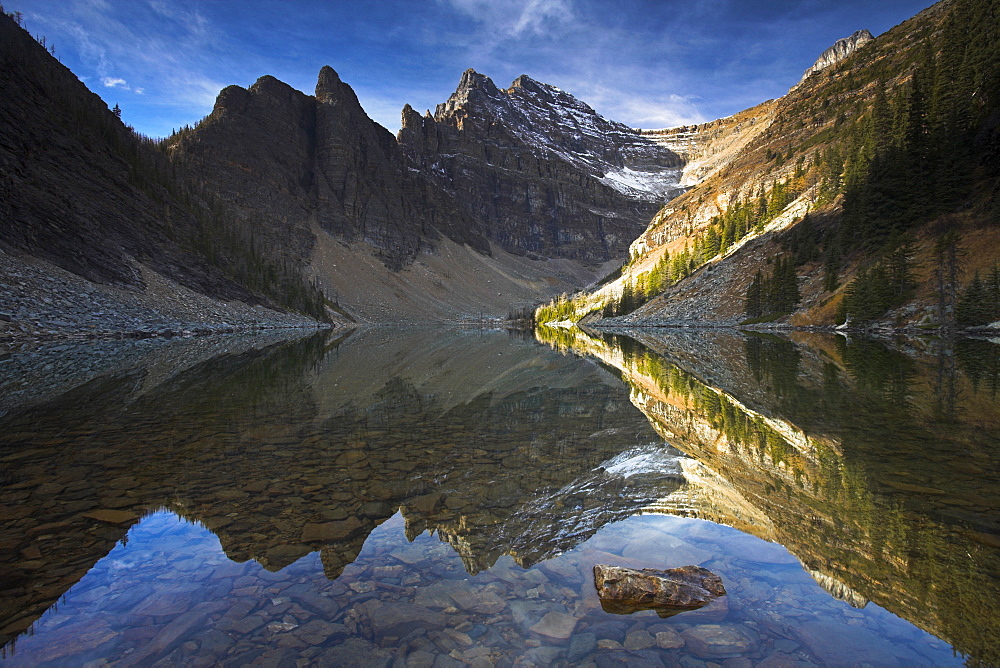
(170, 590)
(414, 498)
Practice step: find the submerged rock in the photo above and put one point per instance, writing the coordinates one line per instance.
(626, 590)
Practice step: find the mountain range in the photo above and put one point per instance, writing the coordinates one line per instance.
(281, 208)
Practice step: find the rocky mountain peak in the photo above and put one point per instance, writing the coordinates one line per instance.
(277, 91)
(409, 118)
(330, 89)
(472, 79)
(231, 98)
(236, 99)
(473, 89)
(526, 82)
(535, 92)
(840, 50)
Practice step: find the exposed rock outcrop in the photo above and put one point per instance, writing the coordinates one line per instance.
(840, 50)
(708, 147)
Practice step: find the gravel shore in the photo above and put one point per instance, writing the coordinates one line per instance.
(40, 301)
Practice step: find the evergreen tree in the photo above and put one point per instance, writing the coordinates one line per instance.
(979, 303)
(973, 306)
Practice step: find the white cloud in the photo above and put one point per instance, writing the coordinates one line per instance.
(120, 84)
(537, 15)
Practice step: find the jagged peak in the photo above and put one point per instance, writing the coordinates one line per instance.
(330, 89)
(473, 80)
(524, 81)
(473, 86)
(548, 93)
(328, 81)
(268, 80)
(231, 97)
(409, 117)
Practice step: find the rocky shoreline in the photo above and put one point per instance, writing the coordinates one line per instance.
(874, 329)
(40, 301)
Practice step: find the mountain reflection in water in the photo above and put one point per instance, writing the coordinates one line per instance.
(405, 495)
(879, 470)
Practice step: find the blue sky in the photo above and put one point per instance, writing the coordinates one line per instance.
(646, 63)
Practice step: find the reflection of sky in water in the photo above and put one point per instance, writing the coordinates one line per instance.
(169, 590)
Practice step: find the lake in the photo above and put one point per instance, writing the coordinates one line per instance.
(438, 497)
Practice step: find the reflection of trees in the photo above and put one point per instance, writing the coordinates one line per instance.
(980, 361)
(774, 362)
(881, 374)
(945, 388)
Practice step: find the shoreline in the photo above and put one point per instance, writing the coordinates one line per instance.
(908, 330)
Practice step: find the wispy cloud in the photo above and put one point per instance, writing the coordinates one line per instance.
(659, 111)
(516, 17)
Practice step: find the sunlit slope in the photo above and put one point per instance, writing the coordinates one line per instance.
(870, 189)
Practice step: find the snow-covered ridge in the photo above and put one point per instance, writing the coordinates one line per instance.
(554, 123)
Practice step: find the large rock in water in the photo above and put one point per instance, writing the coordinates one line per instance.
(626, 590)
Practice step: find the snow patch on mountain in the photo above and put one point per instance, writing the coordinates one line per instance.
(654, 458)
(661, 185)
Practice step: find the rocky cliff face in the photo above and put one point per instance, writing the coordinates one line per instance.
(540, 171)
(707, 147)
(292, 161)
(841, 49)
